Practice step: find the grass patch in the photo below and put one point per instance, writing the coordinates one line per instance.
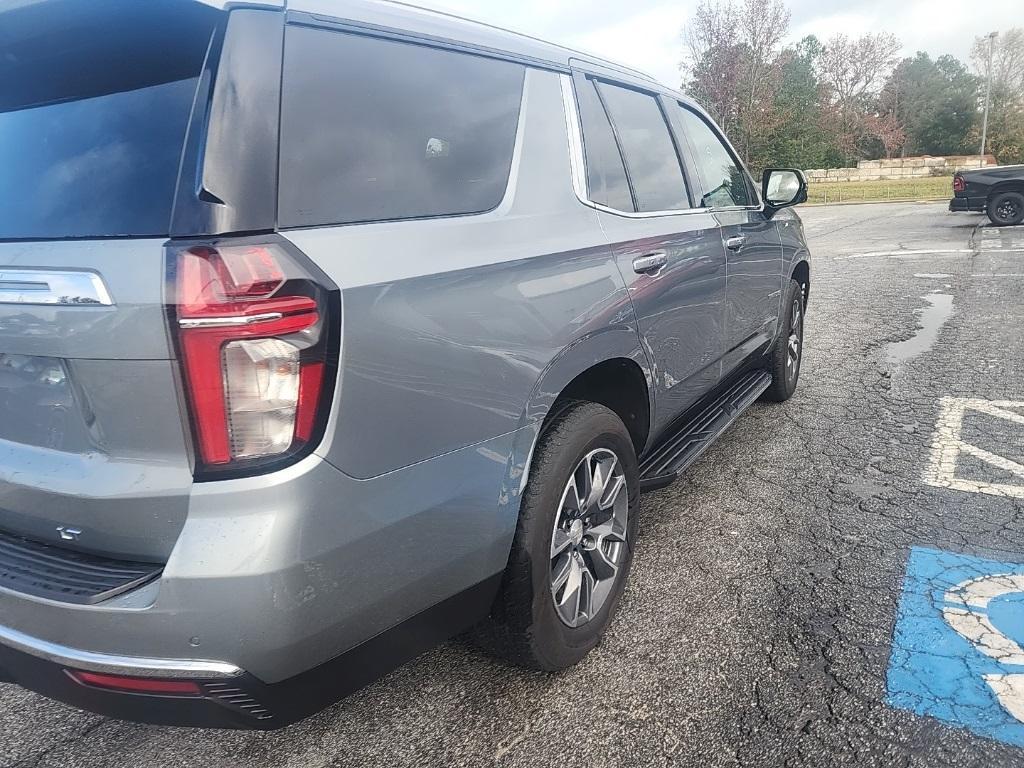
(927, 188)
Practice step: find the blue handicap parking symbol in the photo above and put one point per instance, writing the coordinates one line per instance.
(958, 647)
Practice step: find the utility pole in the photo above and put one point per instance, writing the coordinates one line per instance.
(988, 97)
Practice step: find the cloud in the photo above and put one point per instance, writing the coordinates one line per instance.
(645, 33)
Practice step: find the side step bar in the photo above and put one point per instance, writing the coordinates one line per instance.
(692, 436)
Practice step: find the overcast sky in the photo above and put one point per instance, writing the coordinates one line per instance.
(645, 33)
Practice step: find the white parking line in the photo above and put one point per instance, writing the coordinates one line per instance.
(947, 445)
(906, 254)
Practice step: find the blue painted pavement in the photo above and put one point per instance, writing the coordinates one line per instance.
(958, 647)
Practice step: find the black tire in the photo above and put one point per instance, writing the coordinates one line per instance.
(1006, 209)
(524, 626)
(785, 371)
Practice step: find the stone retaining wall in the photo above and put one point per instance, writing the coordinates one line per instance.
(902, 168)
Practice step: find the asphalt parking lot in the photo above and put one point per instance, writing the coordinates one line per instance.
(758, 627)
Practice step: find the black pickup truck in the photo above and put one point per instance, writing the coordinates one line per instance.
(997, 191)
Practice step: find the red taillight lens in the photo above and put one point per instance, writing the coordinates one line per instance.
(252, 329)
(137, 684)
(958, 183)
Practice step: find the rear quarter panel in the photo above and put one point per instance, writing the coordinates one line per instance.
(450, 324)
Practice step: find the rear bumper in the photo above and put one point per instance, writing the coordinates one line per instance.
(47, 674)
(965, 204)
(271, 579)
(229, 697)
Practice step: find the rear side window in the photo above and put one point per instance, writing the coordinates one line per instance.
(93, 114)
(376, 130)
(647, 147)
(606, 175)
(725, 183)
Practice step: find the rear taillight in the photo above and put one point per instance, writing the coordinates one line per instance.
(958, 183)
(253, 332)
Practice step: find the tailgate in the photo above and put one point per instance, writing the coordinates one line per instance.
(93, 448)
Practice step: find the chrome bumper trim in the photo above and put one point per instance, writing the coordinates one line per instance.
(91, 661)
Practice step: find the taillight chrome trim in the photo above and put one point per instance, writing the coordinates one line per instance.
(228, 322)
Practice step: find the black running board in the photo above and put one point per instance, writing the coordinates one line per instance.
(694, 435)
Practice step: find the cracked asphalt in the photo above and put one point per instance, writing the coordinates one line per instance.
(757, 626)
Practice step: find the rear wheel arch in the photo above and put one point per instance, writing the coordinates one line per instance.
(618, 384)
(1013, 185)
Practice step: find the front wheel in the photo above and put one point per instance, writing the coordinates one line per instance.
(573, 545)
(787, 353)
(1006, 209)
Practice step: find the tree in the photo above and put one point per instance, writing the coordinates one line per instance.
(854, 71)
(1006, 112)
(733, 64)
(935, 102)
(763, 26)
(712, 39)
(805, 139)
(1007, 60)
(887, 130)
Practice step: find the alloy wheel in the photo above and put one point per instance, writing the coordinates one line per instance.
(1009, 210)
(588, 544)
(796, 335)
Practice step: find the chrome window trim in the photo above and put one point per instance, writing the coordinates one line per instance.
(53, 288)
(578, 164)
(90, 661)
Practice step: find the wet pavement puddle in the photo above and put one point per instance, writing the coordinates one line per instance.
(930, 321)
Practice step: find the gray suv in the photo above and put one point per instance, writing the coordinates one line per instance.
(331, 330)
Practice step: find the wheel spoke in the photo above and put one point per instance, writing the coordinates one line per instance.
(600, 474)
(569, 605)
(604, 558)
(561, 573)
(571, 503)
(586, 602)
(583, 487)
(615, 487)
(559, 542)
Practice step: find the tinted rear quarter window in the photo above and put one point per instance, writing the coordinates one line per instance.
(606, 175)
(647, 146)
(724, 181)
(376, 130)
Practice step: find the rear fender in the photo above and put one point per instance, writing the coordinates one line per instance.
(608, 344)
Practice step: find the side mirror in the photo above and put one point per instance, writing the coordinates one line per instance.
(783, 187)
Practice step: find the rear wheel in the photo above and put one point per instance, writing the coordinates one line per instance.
(573, 545)
(1006, 209)
(787, 353)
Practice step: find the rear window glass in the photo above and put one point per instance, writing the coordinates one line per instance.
(651, 159)
(93, 114)
(376, 130)
(606, 175)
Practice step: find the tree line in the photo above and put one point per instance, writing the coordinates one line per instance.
(828, 104)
